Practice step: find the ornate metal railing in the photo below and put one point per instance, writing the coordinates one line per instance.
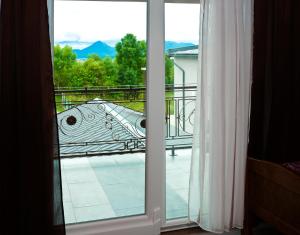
(104, 120)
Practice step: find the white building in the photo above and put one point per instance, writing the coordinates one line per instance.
(185, 79)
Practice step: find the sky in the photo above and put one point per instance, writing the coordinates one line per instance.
(90, 21)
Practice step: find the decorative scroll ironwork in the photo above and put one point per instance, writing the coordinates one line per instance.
(97, 127)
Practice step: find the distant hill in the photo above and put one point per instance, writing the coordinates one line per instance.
(102, 49)
(99, 48)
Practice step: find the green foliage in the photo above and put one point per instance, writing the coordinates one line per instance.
(131, 58)
(64, 60)
(94, 71)
(78, 75)
(169, 71)
(125, 69)
(110, 72)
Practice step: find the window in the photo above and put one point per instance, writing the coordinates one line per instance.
(114, 119)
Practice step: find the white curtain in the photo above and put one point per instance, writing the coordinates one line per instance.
(216, 195)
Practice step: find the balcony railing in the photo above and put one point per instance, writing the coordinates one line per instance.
(112, 120)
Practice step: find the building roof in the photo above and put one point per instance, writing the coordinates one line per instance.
(99, 127)
(184, 51)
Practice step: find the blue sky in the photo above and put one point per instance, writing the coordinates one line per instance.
(90, 21)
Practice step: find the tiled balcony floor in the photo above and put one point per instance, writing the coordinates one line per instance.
(105, 187)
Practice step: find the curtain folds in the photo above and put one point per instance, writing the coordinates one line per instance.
(275, 105)
(30, 176)
(216, 195)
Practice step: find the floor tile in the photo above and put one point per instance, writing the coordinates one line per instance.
(87, 194)
(175, 204)
(102, 162)
(108, 176)
(178, 180)
(124, 196)
(91, 213)
(75, 163)
(114, 186)
(66, 193)
(130, 161)
(80, 175)
(130, 211)
(69, 213)
(175, 214)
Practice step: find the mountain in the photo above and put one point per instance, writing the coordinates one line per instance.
(173, 45)
(102, 49)
(99, 48)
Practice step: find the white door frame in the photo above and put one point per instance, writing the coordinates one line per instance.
(155, 218)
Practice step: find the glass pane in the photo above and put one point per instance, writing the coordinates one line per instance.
(99, 72)
(181, 63)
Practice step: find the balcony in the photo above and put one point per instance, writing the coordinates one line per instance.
(102, 133)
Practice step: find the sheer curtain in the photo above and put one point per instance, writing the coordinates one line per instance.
(216, 195)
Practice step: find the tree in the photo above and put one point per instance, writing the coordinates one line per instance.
(169, 70)
(110, 72)
(131, 58)
(93, 71)
(87, 73)
(78, 75)
(64, 60)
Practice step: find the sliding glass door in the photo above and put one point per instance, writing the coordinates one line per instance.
(124, 100)
(100, 56)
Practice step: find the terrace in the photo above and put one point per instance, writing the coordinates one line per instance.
(102, 133)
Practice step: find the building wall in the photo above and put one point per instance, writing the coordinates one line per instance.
(190, 66)
(186, 102)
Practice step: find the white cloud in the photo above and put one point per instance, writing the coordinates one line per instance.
(92, 20)
(182, 22)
